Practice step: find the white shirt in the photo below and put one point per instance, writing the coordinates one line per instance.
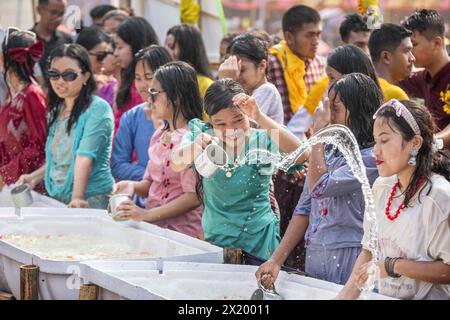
(269, 101)
(420, 232)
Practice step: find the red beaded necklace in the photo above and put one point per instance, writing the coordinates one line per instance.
(402, 205)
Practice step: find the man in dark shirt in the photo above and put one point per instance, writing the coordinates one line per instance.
(429, 51)
(52, 15)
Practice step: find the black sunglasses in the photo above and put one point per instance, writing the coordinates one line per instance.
(66, 75)
(153, 93)
(101, 56)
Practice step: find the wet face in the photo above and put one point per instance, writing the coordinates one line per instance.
(52, 13)
(402, 60)
(333, 75)
(338, 112)
(111, 25)
(123, 52)
(99, 49)
(390, 150)
(305, 42)
(67, 88)
(251, 75)
(230, 125)
(421, 50)
(173, 47)
(161, 106)
(360, 39)
(143, 79)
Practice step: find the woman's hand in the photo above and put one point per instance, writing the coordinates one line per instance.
(29, 180)
(203, 140)
(267, 273)
(78, 203)
(230, 68)
(126, 187)
(362, 274)
(322, 115)
(130, 211)
(248, 104)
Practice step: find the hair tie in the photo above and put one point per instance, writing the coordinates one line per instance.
(20, 55)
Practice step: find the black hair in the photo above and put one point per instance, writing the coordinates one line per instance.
(220, 95)
(81, 56)
(154, 56)
(192, 48)
(92, 36)
(249, 46)
(428, 23)
(24, 71)
(350, 59)
(294, 19)
(428, 160)
(42, 2)
(362, 98)
(352, 23)
(101, 10)
(229, 37)
(387, 38)
(138, 34)
(179, 81)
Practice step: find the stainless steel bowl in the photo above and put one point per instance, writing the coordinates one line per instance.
(21, 196)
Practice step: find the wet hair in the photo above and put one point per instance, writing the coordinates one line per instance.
(92, 36)
(294, 19)
(154, 56)
(220, 95)
(179, 81)
(81, 56)
(262, 35)
(118, 15)
(352, 23)
(362, 98)
(192, 48)
(428, 161)
(24, 71)
(101, 10)
(350, 59)
(387, 38)
(138, 34)
(248, 46)
(428, 23)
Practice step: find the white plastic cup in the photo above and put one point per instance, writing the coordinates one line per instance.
(211, 160)
(114, 203)
(21, 196)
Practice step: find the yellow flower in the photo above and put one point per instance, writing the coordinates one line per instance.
(445, 97)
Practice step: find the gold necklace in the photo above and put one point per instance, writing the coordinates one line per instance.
(229, 170)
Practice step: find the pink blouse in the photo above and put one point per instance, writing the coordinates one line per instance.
(167, 185)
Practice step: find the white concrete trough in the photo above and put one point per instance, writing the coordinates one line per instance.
(142, 280)
(57, 239)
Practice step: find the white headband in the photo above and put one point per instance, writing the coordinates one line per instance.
(401, 111)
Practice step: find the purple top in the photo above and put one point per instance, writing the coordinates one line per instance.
(336, 204)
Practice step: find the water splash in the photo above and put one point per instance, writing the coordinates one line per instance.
(342, 139)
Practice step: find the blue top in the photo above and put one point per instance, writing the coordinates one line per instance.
(92, 137)
(135, 132)
(336, 204)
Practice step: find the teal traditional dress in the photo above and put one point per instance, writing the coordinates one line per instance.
(91, 136)
(237, 211)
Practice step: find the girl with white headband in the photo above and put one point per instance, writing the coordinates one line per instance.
(412, 197)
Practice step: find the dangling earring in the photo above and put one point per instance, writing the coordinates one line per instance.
(412, 160)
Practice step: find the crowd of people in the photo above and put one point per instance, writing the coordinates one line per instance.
(116, 111)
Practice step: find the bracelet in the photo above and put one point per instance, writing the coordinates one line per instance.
(389, 266)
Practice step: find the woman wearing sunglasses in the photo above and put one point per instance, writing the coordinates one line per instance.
(23, 123)
(78, 147)
(171, 196)
(130, 152)
(96, 42)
